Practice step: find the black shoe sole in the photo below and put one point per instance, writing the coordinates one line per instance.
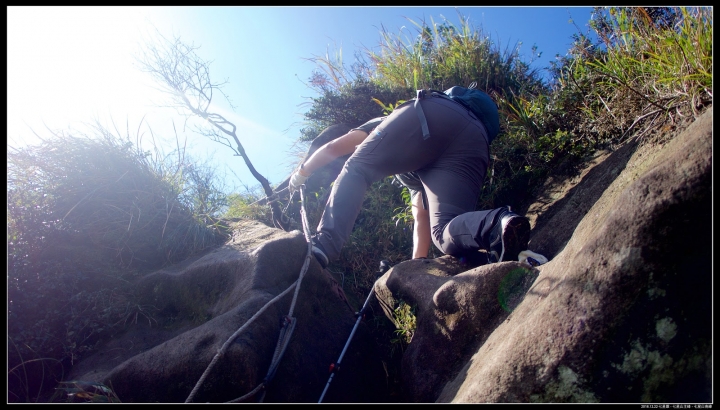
(516, 236)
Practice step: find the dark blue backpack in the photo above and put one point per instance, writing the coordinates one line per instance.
(478, 102)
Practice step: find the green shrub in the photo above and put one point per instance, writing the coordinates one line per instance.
(247, 206)
(86, 214)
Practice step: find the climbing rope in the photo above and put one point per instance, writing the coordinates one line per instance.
(270, 198)
(288, 322)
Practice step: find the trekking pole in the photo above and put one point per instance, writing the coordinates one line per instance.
(335, 367)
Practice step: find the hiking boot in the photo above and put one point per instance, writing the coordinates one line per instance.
(509, 237)
(319, 254)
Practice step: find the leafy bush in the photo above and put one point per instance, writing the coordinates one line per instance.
(85, 215)
(247, 206)
(375, 236)
(350, 104)
(147, 211)
(651, 66)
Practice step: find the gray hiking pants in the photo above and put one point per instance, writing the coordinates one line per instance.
(451, 164)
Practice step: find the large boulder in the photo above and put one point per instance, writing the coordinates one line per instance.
(456, 309)
(188, 312)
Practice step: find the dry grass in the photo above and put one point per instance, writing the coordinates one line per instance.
(85, 215)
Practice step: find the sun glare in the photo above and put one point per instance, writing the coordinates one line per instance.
(70, 65)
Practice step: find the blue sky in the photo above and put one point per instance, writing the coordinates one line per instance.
(68, 66)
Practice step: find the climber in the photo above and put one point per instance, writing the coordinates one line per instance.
(450, 164)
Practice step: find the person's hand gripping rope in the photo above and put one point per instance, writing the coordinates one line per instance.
(297, 180)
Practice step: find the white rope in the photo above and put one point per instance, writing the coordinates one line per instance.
(306, 231)
(268, 198)
(284, 333)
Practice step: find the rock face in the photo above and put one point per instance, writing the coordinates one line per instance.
(199, 306)
(622, 313)
(456, 311)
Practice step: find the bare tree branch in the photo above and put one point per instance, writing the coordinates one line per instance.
(185, 78)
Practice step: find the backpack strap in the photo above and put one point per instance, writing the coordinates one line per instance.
(421, 115)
